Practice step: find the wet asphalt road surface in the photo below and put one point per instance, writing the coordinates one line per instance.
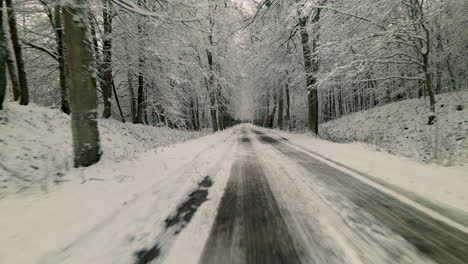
(251, 226)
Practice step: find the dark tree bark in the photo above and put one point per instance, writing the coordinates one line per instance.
(311, 65)
(220, 102)
(221, 124)
(280, 107)
(58, 28)
(97, 54)
(83, 99)
(273, 112)
(310, 78)
(429, 89)
(140, 92)
(193, 114)
(133, 102)
(197, 113)
(3, 58)
(141, 82)
(267, 109)
(288, 106)
(12, 70)
(340, 102)
(423, 47)
(211, 66)
(211, 91)
(453, 82)
(106, 66)
(203, 117)
(118, 102)
(24, 92)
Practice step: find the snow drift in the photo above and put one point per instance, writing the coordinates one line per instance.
(401, 128)
(36, 145)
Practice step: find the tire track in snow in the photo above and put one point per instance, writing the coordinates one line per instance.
(249, 227)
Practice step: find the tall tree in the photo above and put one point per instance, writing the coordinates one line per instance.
(280, 106)
(58, 29)
(212, 74)
(106, 66)
(54, 13)
(311, 64)
(24, 91)
(141, 64)
(81, 68)
(12, 70)
(288, 105)
(3, 58)
(422, 44)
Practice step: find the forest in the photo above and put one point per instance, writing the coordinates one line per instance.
(234, 131)
(207, 64)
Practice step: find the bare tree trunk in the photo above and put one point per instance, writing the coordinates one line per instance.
(451, 74)
(92, 27)
(340, 102)
(203, 116)
(211, 82)
(24, 92)
(273, 112)
(83, 100)
(425, 56)
(145, 104)
(212, 92)
(219, 102)
(429, 88)
(3, 58)
(280, 107)
(193, 114)
(288, 106)
(12, 70)
(141, 83)
(106, 66)
(217, 110)
(118, 102)
(267, 109)
(197, 113)
(58, 28)
(311, 68)
(132, 96)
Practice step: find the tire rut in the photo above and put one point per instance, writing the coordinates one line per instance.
(249, 227)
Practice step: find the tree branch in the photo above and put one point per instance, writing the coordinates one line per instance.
(51, 53)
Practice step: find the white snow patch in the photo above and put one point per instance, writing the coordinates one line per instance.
(99, 209)
(401, 128)
(189, 245)
(36, 146)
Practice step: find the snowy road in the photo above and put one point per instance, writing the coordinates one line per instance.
(281, 205)
(243, 195)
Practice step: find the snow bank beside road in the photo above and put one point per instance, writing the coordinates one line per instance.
(36, 147)
(113, 214)
(401, 128)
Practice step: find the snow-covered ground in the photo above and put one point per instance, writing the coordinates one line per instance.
(401, 128)
(107, 212)
(36, 147)
(114, 213)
